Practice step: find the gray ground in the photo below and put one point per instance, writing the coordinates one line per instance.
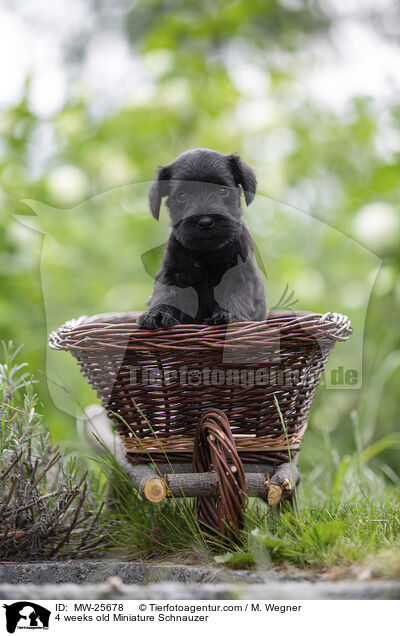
(119, 580)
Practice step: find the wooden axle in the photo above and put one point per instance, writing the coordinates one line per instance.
(206, 484)
(156, 485)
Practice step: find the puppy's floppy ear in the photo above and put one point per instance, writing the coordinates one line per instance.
(159, 189)
(244, 176)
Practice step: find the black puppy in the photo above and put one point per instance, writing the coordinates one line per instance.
(209, 273)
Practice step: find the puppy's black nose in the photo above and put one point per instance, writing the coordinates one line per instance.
(205, 222)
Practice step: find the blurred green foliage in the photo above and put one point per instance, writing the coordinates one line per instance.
(229, 76)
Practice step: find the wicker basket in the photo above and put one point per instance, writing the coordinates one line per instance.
(155, 385)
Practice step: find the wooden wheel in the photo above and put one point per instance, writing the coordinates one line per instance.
(215, 450)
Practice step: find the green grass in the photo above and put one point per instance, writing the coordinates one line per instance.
(328, 535)
(362, 530)
(145, 530)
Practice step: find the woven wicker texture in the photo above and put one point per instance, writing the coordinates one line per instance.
(156, 385)
(215, 450)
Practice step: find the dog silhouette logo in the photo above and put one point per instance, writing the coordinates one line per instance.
(26, 615)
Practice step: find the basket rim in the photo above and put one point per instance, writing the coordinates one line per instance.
(119, 331)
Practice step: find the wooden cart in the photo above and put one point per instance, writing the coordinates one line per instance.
(214, 412)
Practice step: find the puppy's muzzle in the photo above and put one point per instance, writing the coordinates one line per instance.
(205, 222)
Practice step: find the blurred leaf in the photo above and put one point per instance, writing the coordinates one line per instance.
(152, 260)
(237, 558)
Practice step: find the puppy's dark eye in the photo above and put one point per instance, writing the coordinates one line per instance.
(223, 191)
(180, 196)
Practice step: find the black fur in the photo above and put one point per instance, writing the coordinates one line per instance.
(209, 274)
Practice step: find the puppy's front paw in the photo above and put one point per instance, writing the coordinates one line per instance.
(157, 318)
(221, 317)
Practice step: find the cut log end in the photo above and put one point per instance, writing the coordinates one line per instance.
(155, 490)
(274, 494)
(287, 484)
